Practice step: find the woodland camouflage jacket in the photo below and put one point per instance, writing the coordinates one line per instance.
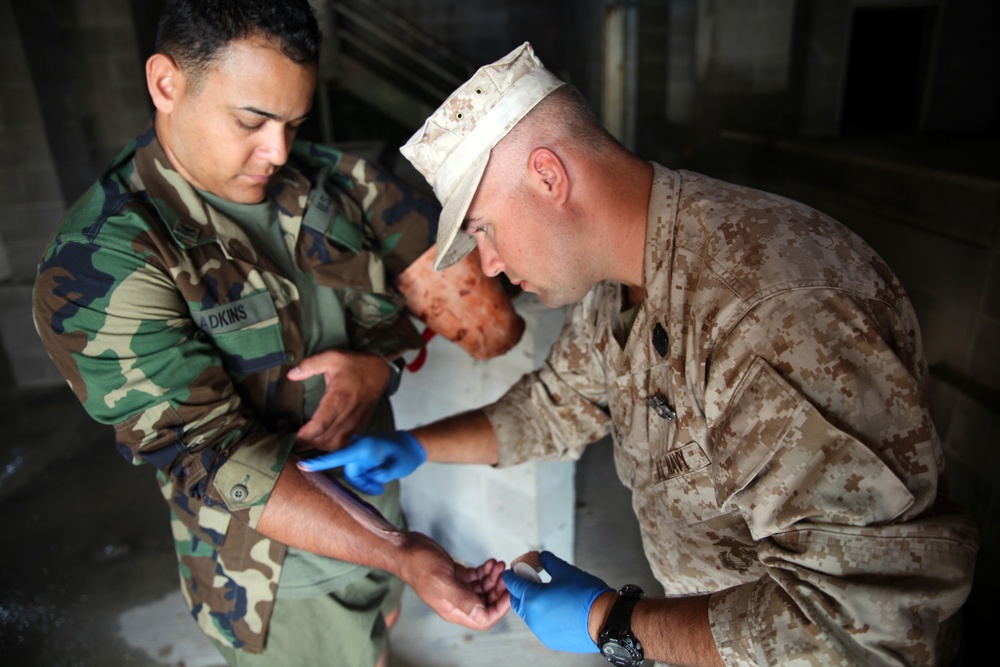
(169, 324)
(769, 414)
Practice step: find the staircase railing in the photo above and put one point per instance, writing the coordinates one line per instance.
(388, 62)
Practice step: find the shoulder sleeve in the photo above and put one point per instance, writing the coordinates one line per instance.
(822, 440)
(403, 219)
(111, 317)
(554, 412)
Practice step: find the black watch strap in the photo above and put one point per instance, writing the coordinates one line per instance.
(396, 367)
(617, 643)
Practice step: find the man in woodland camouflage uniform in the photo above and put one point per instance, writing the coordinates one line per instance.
(760, 371)
(177, 297)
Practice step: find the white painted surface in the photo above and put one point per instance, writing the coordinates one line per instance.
(478, 512)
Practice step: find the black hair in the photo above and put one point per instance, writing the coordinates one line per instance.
(193, 32)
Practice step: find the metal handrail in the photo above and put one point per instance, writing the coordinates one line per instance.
(418, 34)
(412, 53)
(381, 57)
(402, 47)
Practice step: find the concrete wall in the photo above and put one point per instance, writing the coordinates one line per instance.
(964, 95)
(31, 203)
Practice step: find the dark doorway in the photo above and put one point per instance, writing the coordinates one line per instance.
(887, 69)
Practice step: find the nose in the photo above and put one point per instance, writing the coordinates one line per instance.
(489, 259)
(276, 142)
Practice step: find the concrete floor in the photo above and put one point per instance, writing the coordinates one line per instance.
(89, 576)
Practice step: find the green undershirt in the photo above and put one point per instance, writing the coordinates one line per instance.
(306, 574)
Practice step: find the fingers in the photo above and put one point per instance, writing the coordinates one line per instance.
(333, 424)
(555, 565)
(478, 614)
(485, 580)
(518, 586)
(326, 461)
(365, 485)
(317, 364)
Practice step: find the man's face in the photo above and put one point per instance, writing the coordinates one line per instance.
(520, 235)
(231, 133)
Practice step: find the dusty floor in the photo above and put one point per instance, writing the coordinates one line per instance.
(85, 538)
(88, 574)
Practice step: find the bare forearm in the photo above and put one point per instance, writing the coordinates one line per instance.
(462, 438)
(672, 630)
(308, 512)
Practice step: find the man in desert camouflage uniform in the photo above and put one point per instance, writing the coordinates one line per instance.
(760, 371)
(177, 297)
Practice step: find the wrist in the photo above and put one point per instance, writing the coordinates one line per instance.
(395, 367)
(599, 612)
(418, 558)
(415, 447)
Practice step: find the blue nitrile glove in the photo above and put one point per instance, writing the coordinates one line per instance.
(557, 612)
(370, 461)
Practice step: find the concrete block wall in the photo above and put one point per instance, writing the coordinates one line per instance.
(30, 198)
(680, 45)
(744, 46)
(965, 97)
(31, 204)
(107, 71)
(828, 24)
(478, 512)
(70, 99)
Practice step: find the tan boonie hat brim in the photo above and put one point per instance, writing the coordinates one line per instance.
(452, 148)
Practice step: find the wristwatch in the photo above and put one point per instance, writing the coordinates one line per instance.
(396, 367)
(617, 643)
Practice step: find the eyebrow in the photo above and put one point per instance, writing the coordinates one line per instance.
(269, 115)
(466, 222)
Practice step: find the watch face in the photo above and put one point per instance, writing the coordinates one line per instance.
(616, 652)
(620, 655)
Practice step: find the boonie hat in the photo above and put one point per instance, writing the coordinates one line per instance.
(453, 146)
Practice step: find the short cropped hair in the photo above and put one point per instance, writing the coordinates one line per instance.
(193, 32)
(565, 112)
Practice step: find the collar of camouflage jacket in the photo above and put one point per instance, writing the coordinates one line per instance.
(661, 218)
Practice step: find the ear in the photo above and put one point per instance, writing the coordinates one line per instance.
(164, 80)
(548, 175)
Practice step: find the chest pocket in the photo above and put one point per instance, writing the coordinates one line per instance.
(680, 470)
(246, 331)
(347, 256)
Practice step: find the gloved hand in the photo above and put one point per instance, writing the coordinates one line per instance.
(557, 612)
(370, 461)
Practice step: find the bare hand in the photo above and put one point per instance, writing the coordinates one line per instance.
(475, 598)
(355, 381)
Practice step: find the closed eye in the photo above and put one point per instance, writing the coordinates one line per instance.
(248, 128)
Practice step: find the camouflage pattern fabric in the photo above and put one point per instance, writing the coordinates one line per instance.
(169, 324)
(769, 414)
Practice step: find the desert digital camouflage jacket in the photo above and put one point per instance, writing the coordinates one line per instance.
(769, 414)
(169, 324)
